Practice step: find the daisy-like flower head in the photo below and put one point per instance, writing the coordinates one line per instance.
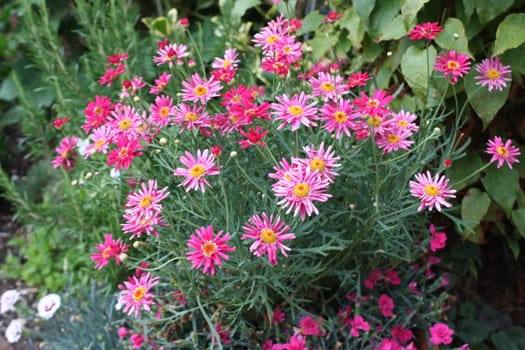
(404, 120)
(146, 201)
(253, 137)
(229, 61)
(97, 112)
(394, 138)
(196, 170)
(67, 156)
(375, 105)
(493, 73)
(102, 137)
(110, 249)
(126, 151)
(327, 86)
(300, 189)
(268, 234)
(198, 89)
(170, 53)
(208, 250)
(428, 30)
(321, 162)
(431, 191)
(160, 83)
(190, 117)
(453, 64)
(126, 121)
(138, 225)
(161, 111)
(339, 117)
(358, 79)
(295, 111)
(135, 293)
(502, 152)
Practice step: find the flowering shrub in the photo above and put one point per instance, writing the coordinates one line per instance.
(268, 198)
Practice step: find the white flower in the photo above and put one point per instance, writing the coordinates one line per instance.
(48, 305)
(8, 299)
(13, 332)
(114, 173)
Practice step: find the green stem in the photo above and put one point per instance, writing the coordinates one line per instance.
(471, 175)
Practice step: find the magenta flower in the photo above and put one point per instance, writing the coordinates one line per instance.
(67, 156)
(145, 201)
(126, 151)
(190, 117)
(493, 73)
(502, 152)
(358, 79)
(432, 192)
(102, 137)
(452, 64)
(300, 189)
(161, 111)
(169, 53)
(208, 250)
(404, 120)
(160, 83)
(197, 170)
(327, 86)
(375, 106)
(321, 162)
(295, 111)
(268, 235)
(253, 137)
(135, 293)
(198, 89)
(109, 249)
(138, 225)
(339, 117)
(386, 305)
(437, 239)
(428, 30)
(440, 333)
(358, 323)
(394, 138)
(309, 326)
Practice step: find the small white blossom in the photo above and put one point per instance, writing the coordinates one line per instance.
(48, 305)
(8, 300)
(13, 332)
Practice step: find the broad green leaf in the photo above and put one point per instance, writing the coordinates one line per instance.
(160, 26)
(453, 37)
(514, 246)
(514, 58)
(8, 90)
(382, 18)
(240, 8)
(409, 10)
(321, 44)
(311, 22)
(474, 206)
(502, 185)
(510, 33)
(416, 66)
(461, 170)
(364, 9)
(472, 331)
(518, 218)
(486, 104)
(395, 30)
(356, 30)
(287, 8)
(488, 10)
(502, 342)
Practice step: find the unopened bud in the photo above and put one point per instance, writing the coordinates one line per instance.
(456, 35)
(389, 53)
(74, 183)
(437, 131)
(233, 154)
(136, 98)
(163, 140)
(88, 175)
(123, 257)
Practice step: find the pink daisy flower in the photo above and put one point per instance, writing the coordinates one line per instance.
(109, 249)
(339, 117)
(97, 112)
(404, 120)
(229, 61)
(440, 333)
(493, 73)
(502, 152)
(170, 53)
(300, 190)
(358, 323)
(161, 111)
(308, 326)
(358, 79)
(295, 111)
(130, 87)
(253, 137)
(393, 139)
(198, 89)
(126, 151)
(327, 86)
(268, 235)
(428, 30)
(190, 117)
(160, 83)
(135, 293)
(432, 192)
(321, 162)
(137, 225)
(208, 250)
(111, 74)
(146, 201)
(196, 170)
(127, 122)
(102, 137)
(375, 105)
(67, 156)
(452, 64)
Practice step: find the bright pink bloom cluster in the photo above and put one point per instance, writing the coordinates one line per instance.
(428, 30)
(144, 211)
(67, 155)
(170, 53)
(208, 250)
(437, 239)
(502, 152)
(453, 64)
(196, 170)
(117, 67)
(305, 180)
(432, 192)
(224, 69)
(440, 333)
(109, 249)
(135, 293)
(395, 130)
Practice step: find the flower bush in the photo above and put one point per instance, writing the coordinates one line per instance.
(273, 196)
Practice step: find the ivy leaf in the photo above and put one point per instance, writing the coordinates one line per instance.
(416, 64)
(488, 10)
(409, 10)
(453, 37)
(510, 33)
(240, 8)
(364, 9)
(322, 44)
(462, 168)
(311, 22)
(518, 218)
(502, 185)
(474, 206)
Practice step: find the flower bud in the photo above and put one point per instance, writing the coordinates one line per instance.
(163, 140)
(233, 154)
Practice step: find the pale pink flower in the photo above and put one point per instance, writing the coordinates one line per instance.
(339, 117)
(138, 225)
(67, 156)
(229, 60)
(8, 300)
(196, 170)
(126, 121)
(440, 333)
(295, 111)
(208, 250)
(135, 293)
(190, 117)
(160, 83)
(404, 120)
(161, 111)
(102, 137)
(327, 86)
(268, 234)
(48, 305)
(431, 191)
(394, 138)
(502, 152)
(493, 73)
(198, 89)
(13, 332)
(146, 201)
(171, 53)
(321, 162)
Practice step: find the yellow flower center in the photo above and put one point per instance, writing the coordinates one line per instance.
(492, 74)
(287, 49)
(64, 154)
(503, 151)
(98, 110)
(295, 110)
(317, 164)
(301, 190)
(100, 142)
(402, 123)
(200, 90)
(125, 124)
(190, 116)
(164, 111)
(432, 190)
(452, 65)
(208, 248)
(146, 201)
(374, 122)
(272, 38)
(197, 170)
(107, 253)
(372, 103)
(138, 293)
(268, 236)
(123, 152)
(226, 63)
(340, 117)
(327, 86)
(392, 138)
